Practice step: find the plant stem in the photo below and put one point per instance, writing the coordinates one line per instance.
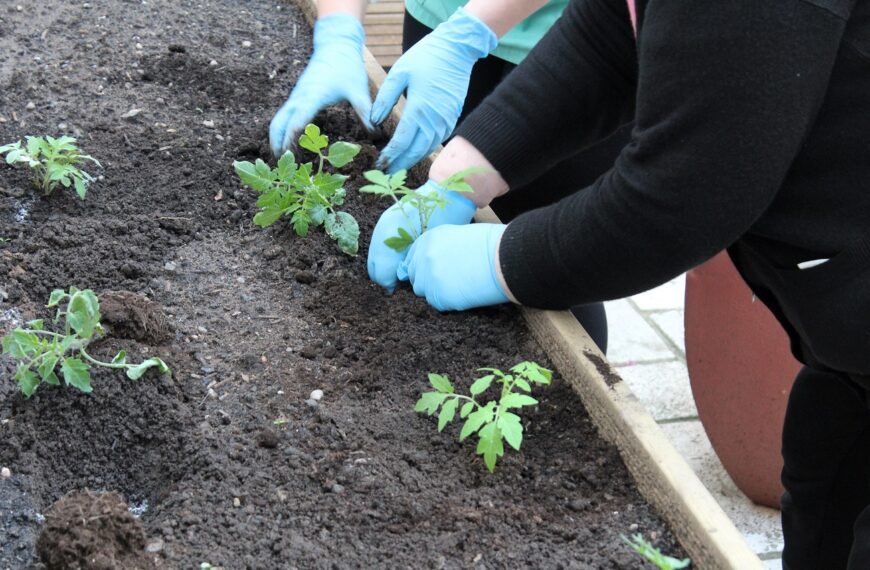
(99, 362)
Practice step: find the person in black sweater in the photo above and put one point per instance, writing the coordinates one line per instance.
(751, 134)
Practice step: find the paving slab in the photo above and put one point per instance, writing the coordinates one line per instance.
(670, 295)
(663, 388)
(671, 324)
(631, 339)
(760, 525)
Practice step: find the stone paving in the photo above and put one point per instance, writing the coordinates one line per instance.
(646, 347)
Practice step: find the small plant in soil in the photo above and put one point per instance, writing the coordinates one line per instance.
(654, 555)
(40, 352)
(493, 422)
(308, 197)
(383, 184)
(54, 161)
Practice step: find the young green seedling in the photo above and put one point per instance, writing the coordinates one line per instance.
(309, 199)
(493, 422)
(426, 203)
(39, 352)
(53, 161)
(654, 555)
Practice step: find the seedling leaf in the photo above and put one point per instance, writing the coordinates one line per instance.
(341, 153)
(448, 412)
(440, 383)
(76, 373)
(136, 372)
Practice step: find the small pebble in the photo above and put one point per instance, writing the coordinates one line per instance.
(169, 266)
(154, 546)
(246, 44)
(237, 502)
(5, 473)
(202, 329)
(138, 46)
(337, 489)
(312, 403)
(30, 106)
(208, 124)
(212, 63)
(316, 395)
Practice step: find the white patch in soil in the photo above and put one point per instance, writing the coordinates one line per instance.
(9, 319)
(23, 210)
(139, 510)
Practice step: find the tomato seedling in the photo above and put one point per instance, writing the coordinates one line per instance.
(53, 161)
(493, 422)
(654, 555)
(407, 199)
(310, 199)
(39, 352)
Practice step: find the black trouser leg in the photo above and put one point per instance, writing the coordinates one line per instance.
(825, 451)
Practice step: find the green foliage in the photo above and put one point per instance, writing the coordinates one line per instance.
(39, 352)
(383, 184)
(654, 555)
(307, 197)
(493, 422)
(53, 161)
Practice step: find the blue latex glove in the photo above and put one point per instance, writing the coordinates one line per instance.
(336, 72)
(454, 267)
(435, 72)
(383, 261)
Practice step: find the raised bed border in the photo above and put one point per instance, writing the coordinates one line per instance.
(663, 477)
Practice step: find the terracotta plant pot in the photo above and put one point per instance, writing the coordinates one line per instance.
(741, 371)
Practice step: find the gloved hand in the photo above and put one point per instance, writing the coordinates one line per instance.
(435, 72)
(454, 267)
(336, 72)
(383, 261)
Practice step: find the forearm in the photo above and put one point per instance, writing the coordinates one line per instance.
(502, 15)
(356, 8)
(709, 154)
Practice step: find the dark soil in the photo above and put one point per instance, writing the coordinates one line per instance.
(229, 461)
(92, 530)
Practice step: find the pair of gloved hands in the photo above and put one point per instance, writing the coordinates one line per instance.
(452, 264)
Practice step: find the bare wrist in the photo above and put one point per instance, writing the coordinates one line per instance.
(460, 154)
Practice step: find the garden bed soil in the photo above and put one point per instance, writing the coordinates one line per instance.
(228, 461)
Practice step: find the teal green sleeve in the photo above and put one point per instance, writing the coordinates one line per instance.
(514, 45)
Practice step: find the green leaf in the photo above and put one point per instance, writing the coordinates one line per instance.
(312, 140)
(456, 181)
(380, 179)
(83, 313)
(522, 384)
(343, 228)
(341, 153)
(120, 358)
(318, 214)
(56, 297)
(267, 217)
(400, 243)
(481, 384)
(448, 412)
(19, 343)
(514, 400)
(27, 380)
(440, 383)
(76, 374)
(429, 402)
(511, 427)
(286, 166)
(476, 419)
(136, 372)
(533, 372)
(36, 324)
(397, 180)
(254, 175)
(466, 409)
(81, 188)
(46, 368)
(490, 445)
(300, 221)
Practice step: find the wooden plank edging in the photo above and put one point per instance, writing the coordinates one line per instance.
(662, 475)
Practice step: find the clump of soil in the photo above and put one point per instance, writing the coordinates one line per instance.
(134, 316)
(92, 531)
